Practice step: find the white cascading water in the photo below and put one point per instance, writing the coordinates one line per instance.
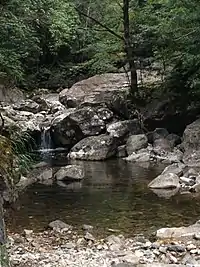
(45, 142)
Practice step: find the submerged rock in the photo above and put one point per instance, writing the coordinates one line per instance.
(70, 172)
(165, 181)
(94, 148)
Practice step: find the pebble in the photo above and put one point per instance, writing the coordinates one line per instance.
(190, 247)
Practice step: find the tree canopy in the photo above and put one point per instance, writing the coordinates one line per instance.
(54, 43)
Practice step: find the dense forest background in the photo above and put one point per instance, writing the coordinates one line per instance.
(54, 43)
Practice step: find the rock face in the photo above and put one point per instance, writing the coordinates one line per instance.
(74, 125)
(136, 142)
(70, 172)
(165, 181)
(191, 144)
(110, 89)
(94, 148)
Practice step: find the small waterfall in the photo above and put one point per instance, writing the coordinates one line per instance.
(45, 142)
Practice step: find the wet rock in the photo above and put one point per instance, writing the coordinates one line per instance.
(47, 174)
(139, 157)
(179, 233)
(176, 168)
(165, 181)
(165, 193)
(94, 148)
(74, 187)
(59, 226)
(70, 172)
(71, 127)
(121, 129)
(135, 143)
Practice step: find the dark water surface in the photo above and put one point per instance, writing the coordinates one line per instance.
(114, 195)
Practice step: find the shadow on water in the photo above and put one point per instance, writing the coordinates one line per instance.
(114, 195)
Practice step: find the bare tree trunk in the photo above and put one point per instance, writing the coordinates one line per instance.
(129, 49)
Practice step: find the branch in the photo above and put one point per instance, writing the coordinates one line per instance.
(101, 25)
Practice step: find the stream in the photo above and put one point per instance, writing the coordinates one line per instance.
(114, 195)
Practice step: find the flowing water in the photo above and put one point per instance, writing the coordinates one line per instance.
(114, 195)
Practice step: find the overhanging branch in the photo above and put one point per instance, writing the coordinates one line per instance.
(101, 25)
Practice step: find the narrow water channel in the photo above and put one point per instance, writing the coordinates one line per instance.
(114, 195)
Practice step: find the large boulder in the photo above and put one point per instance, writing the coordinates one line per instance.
(191, 144)
(94, 148)
(70, 172)
(110, 89)
(72, 126)
(9, 94)
(136, 142)
(165, 181)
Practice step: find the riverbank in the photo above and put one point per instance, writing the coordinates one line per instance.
(61, 249)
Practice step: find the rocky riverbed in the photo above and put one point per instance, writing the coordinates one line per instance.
(63, 247)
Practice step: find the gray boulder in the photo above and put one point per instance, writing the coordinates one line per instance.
(176, 168)
(158, 133)
(70, 172)
(122, 128)
(165, 181)
(162, 144)
(135, 143)
(106, 88)
(76, 124)
(94, 148)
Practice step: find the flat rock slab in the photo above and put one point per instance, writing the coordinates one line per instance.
(179, 233)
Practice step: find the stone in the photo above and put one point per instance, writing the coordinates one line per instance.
(11, 95)
(45, 175)
(87, 227)
(70, 172)
(59, 226)
(94, 148)
(139, 157)
(173, 139)
(176, 248)
(121, 129)
(165, 181)
(187, 181)
(162, 144)
(74, 125)
(179, 233)
(158, 133)
(176, 168)
(191, 172)
(191, 144)
(165, 193)
(109, 88)
(89, 237)
(135, 143)
(27, 105)
(28, 232)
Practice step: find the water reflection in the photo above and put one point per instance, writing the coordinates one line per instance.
(114, 194)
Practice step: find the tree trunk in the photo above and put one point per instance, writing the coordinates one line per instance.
(128, 47)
